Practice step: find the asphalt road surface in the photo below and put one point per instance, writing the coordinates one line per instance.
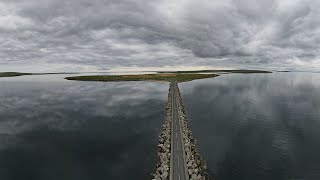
(177, 165)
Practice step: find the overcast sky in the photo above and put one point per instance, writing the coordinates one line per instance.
(89, 35)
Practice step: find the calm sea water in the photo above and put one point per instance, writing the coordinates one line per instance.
(257, 126)
(53, 129)
(249, 127)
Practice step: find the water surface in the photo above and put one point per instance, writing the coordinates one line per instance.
(257, 126)
(53, 129)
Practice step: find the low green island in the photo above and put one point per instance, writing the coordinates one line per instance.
(164, 77)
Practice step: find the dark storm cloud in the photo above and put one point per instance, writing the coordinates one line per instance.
(108, 33)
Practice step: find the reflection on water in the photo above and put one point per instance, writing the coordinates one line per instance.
(56, 129)
(264, 126)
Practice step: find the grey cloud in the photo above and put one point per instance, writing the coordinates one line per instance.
(109, 33)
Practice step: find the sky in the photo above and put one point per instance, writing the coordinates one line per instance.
(101, 35)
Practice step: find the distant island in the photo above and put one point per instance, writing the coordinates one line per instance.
(243, 71)
(165, 77)
(15, 74)
(12, 74)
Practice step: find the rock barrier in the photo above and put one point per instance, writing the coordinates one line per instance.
(195, 165)
(197, 169)
(163, 166)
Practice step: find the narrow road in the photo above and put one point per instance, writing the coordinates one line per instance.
(177, 163)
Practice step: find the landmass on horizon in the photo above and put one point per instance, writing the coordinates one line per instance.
(15, 74)
(168, 76)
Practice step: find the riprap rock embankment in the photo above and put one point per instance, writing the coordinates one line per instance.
(194, 165)
(164, 147)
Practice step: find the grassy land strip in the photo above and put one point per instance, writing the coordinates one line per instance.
(179, 77)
